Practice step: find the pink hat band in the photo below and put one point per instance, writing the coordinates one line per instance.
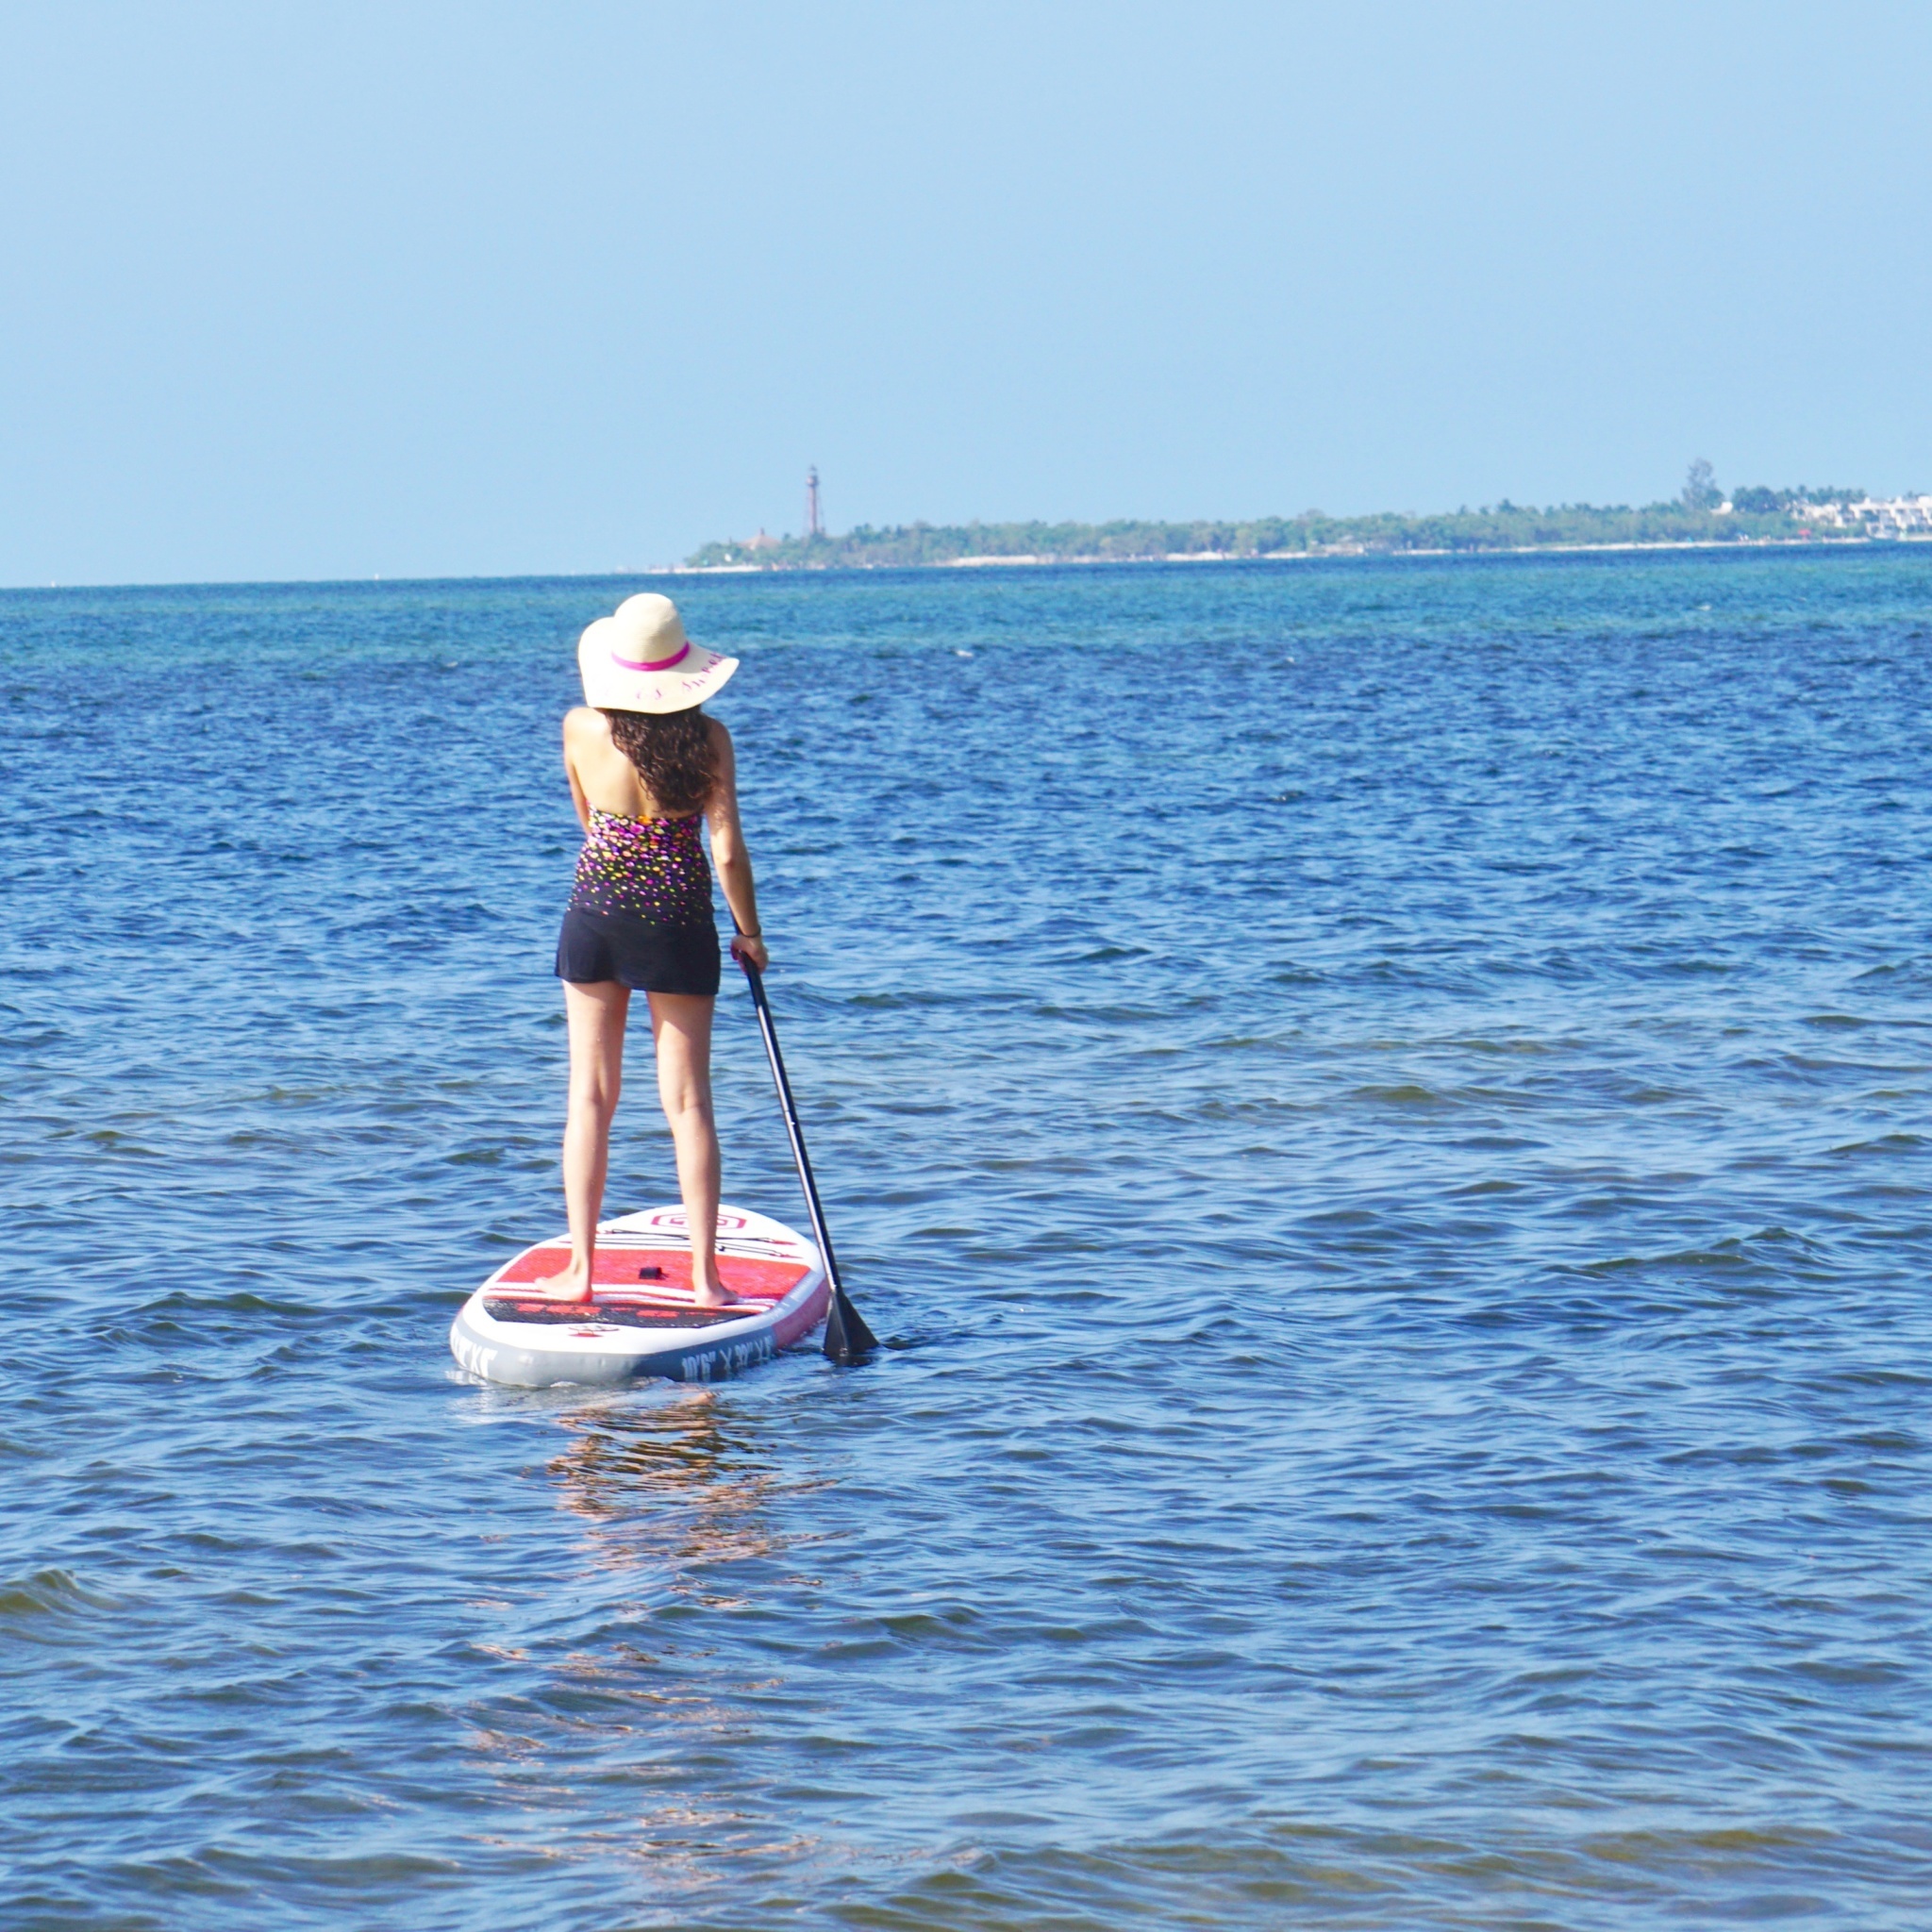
(677, 656)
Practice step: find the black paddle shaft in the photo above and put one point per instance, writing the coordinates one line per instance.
(847, 1338)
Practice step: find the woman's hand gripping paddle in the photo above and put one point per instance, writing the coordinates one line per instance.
(847, 1338)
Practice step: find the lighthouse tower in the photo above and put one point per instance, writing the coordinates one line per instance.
(814, 522)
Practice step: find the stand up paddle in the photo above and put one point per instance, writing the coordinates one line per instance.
(847, 1338)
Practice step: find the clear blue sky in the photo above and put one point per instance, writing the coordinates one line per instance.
(300, 291)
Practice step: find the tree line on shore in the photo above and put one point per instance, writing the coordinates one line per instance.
(1700, 515)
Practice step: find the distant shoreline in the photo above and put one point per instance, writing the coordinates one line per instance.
(1336, 553)
(1701, 518)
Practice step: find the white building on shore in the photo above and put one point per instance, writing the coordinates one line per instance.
(1889, 516)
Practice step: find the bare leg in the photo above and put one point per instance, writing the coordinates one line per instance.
(681, 1023)
(596, 1015)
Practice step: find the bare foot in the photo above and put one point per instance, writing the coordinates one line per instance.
(707, 1289)
(573, 1285)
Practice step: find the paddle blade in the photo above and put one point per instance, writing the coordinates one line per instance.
(847, 1338)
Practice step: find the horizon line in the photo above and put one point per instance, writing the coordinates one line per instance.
(1732, 546)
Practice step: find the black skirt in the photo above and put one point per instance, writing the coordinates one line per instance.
(637, 953)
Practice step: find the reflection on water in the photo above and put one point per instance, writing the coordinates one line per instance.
(677, 1485)
(674, 1492)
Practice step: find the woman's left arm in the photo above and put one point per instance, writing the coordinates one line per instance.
(730, 857)
(570, 772)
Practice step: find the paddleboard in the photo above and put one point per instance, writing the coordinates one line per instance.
(640, 1320)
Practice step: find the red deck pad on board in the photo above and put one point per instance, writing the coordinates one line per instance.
(746, 1278)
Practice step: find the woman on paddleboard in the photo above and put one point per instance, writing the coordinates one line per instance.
(645, 766)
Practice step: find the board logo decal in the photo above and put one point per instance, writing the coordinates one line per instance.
(674, 1217)
(729, 1360)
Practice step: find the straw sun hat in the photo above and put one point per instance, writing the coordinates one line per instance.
(640, 659)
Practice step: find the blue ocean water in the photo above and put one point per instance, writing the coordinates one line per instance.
(1380, 1106)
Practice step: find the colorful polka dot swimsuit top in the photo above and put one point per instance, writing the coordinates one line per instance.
(652, 869)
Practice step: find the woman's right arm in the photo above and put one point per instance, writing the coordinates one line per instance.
(729, 855)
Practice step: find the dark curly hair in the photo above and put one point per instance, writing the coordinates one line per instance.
(674, 756)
